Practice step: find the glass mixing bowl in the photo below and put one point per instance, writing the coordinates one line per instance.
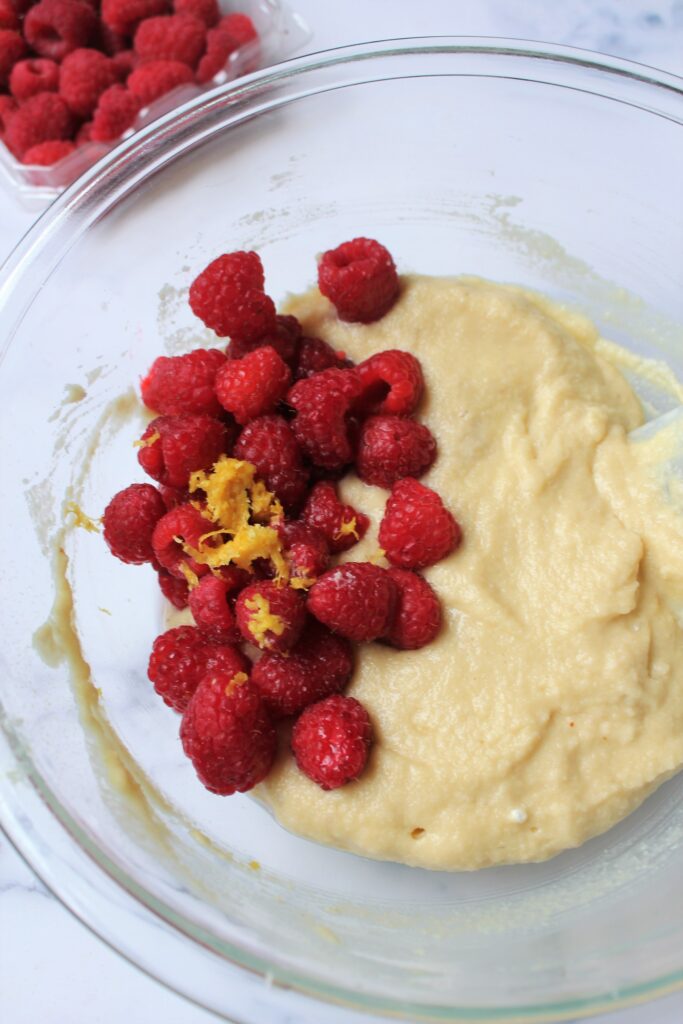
(555, 168)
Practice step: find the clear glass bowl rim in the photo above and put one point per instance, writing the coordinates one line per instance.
(105, 185)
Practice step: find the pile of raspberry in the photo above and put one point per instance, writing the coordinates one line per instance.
(79, 71)
(274, 634)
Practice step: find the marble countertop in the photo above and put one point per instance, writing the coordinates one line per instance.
(52, 969)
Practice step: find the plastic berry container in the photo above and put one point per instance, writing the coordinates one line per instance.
(281, 32)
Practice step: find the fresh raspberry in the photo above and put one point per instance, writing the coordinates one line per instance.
(85, 75)
(129, 521)
(322, 405)
(183, 384)
(228, 735)
(171, 37)
(204, 10)
(417, 530)
(284, 339)
(331, 741)
(356, 599)
(417, 618)
(270, 615)
(56, 27)
(268, 442)
(115, 113)
(173, 447)
(29, 77)
(156, 78)
(219, 46)
(181, 657)
(43, 118)
(240, 27)
(183, 523)
(340, 524)
(84, 134)
(392, 383)
(111, 42)
(8, 15)
(359, 278)
(125, 62)
(12, 49)
(174, 590)
(174, 496)
(211, 611)
(318, 665)
(124, 16)
(228, 297)
(7, 108)
(390, 448)
(305, 549)
(253, 385)
(316, 355)
(45, 154)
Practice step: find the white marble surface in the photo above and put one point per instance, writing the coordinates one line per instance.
(51, 968)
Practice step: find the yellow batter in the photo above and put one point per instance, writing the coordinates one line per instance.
(552, 702)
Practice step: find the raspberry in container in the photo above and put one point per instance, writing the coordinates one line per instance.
(104, 79)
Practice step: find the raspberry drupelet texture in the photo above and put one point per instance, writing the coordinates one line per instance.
(8, 107)
(306, 550)
(392, 383)
(156, 78)
(417, 530)
(9, 16)
(253, 385)
(184, 384)
(129, 521)
(174, 590)
(185, 524)
(228, 735)
(268, 442)
(125, 62)
(45, 154)
(359, 277)
(211, 610)
(219, 46)
(228, 297)
(12, 49)
(390, 447)
(315, 355)
(284, 339)
(356, 600)
(182, 656)
(318, 665)
(43, 118)
(322, 404)
(417, 619)
(171, 37)
(173, 447)
(270, 615)
(29, 77)
(115, 113)
(331, 741)
(124, 16)
(341, 525)
(53, 28)
(240, 27)
(205, 11)
(84, 76)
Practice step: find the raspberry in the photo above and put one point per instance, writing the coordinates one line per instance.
(183, 384)
(219, 46)
(417, 530)
(306, 550)
(84, 134)
(227, 734)
(174, 496)
(124, 16)
(12, 49)
(357, 599)
(45, 154)
(204, 10)
(156, 78)
(171, 37)
(359, 278)
(284, 339)
(240, 27)
(173, 447)
(43, 118)
(270, 616)
(56, 27)
(331, 741)
(125, 62)
(110, 42)
(316, 355)
(85, 75)
(8, 15)
(417, 619)
(129, 521)
(181, 657)
(7, 108)
(211, 611)
(228, 297)
(390, 448)
(115, 113)
(392, 383)
(174, 590)
(318, 665)
(322, 403)
(340, 524)
(183, 523)
(29, 77)
(253, 385)
(268, 442)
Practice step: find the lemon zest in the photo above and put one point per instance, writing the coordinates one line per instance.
(302, 582)
(348, 526)
(262, 620)
(147, 442)
(80, 518)
(237, 680)
(190, 575)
